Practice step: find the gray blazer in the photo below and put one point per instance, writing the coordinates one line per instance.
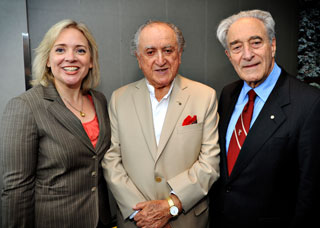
(51, 172)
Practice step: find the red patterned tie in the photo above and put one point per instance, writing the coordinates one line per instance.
(240, 132)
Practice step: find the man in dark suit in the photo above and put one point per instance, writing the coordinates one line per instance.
(270, 173)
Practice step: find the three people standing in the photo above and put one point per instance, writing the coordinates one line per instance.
(164, 153)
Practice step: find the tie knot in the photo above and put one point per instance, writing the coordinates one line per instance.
(252, 95)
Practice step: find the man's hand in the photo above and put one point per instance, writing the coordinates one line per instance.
(153, 214)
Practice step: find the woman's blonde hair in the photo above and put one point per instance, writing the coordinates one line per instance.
(43, 75)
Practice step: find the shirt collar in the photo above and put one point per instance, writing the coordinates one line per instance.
(151, 89)
(265, 88)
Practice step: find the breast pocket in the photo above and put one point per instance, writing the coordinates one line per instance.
(279, 144)
(190, 128)
(188, 141)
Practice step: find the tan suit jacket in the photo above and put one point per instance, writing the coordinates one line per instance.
(51, 172)
(185, 161)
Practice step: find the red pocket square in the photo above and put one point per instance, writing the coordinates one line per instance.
(190, 120)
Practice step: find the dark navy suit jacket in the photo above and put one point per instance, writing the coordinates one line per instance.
(275, 180)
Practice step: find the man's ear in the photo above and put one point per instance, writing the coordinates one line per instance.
(227, 53)
(138, 59)
(180, 54)
(274, 47)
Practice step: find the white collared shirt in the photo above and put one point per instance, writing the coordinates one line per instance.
(159, 109)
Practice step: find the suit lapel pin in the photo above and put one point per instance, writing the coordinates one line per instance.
(272, 117)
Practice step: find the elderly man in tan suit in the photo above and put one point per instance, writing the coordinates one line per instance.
(164, 155)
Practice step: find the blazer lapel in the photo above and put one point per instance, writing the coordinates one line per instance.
(268, 121)
(141, 100)
(178, 100)
(226, 108)
(58, 109)
(103, 125)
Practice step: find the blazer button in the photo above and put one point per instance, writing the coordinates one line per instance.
(94, 157)
(228, 189)
(93, 189)
(94, 174)
(158, 179)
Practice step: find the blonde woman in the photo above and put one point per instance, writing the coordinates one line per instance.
(54, 136)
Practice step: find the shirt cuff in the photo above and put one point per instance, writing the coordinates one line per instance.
(172, 192)
(133, 214)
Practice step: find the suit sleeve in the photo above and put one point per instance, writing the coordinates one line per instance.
(19, 146)
(194, 183)
(123, 189)
(307, 206)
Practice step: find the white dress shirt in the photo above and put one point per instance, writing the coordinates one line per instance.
(159, 109)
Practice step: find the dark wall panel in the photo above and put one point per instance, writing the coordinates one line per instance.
(113, 23)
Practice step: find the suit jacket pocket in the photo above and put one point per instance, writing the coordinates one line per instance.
(201, 206)
(189, 128)
(53, 189)
(273, 221)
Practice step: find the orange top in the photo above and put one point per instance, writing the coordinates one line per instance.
(92, 128)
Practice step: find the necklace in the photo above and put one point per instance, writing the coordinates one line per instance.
(82, 114)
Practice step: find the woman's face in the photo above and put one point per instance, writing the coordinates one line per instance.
(70, 58)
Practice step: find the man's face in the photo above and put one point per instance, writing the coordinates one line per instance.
(250, 51)
(158, 54)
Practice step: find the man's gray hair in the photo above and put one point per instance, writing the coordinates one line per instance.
(263, 16)
(135, 40)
